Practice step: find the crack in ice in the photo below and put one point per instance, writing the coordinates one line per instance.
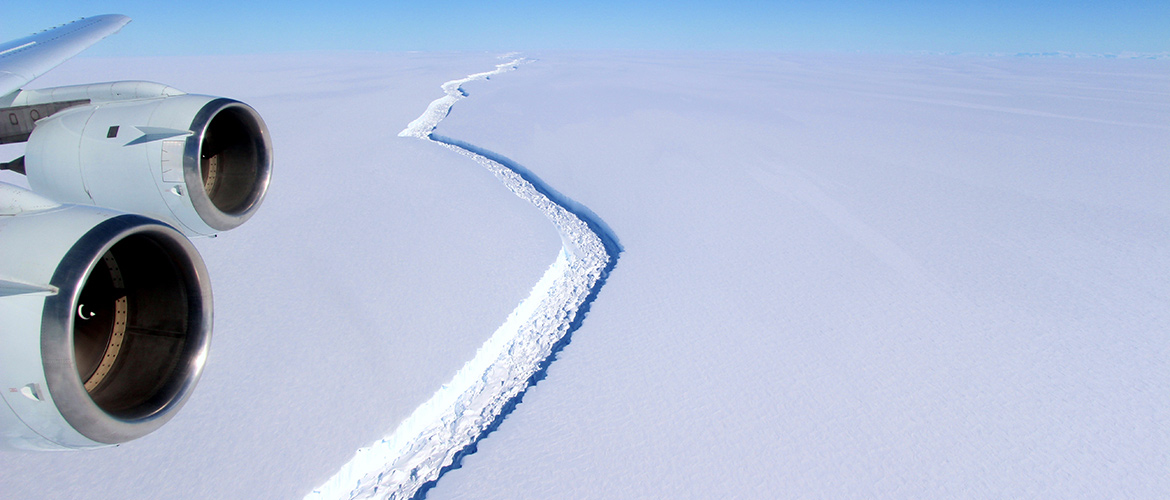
(449, 424)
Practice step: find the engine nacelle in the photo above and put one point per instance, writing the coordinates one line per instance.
(109, 337)
(198, 162)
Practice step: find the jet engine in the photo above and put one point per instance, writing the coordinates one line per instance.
(198, 162)
(109, 334)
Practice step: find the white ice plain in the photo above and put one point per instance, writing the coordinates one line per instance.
(841, 276)
(479, 396)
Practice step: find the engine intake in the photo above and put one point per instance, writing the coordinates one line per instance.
(234, 163)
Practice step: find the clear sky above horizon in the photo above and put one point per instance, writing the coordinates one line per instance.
(990, 26)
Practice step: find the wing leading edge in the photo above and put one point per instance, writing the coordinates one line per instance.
(27, 58)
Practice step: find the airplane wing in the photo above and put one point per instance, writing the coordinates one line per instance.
(27, 58)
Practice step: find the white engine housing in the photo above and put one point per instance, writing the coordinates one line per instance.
(198, 162)
(112, 340)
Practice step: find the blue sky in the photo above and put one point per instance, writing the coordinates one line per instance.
(216, 27)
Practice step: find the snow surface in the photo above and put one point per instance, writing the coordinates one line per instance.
(846, 277)
(841, 276)
(478, 397)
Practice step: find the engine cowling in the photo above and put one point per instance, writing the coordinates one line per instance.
(110, 337)
(201, 163)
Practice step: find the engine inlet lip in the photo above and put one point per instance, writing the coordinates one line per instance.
(61, 374)
(211, 214)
